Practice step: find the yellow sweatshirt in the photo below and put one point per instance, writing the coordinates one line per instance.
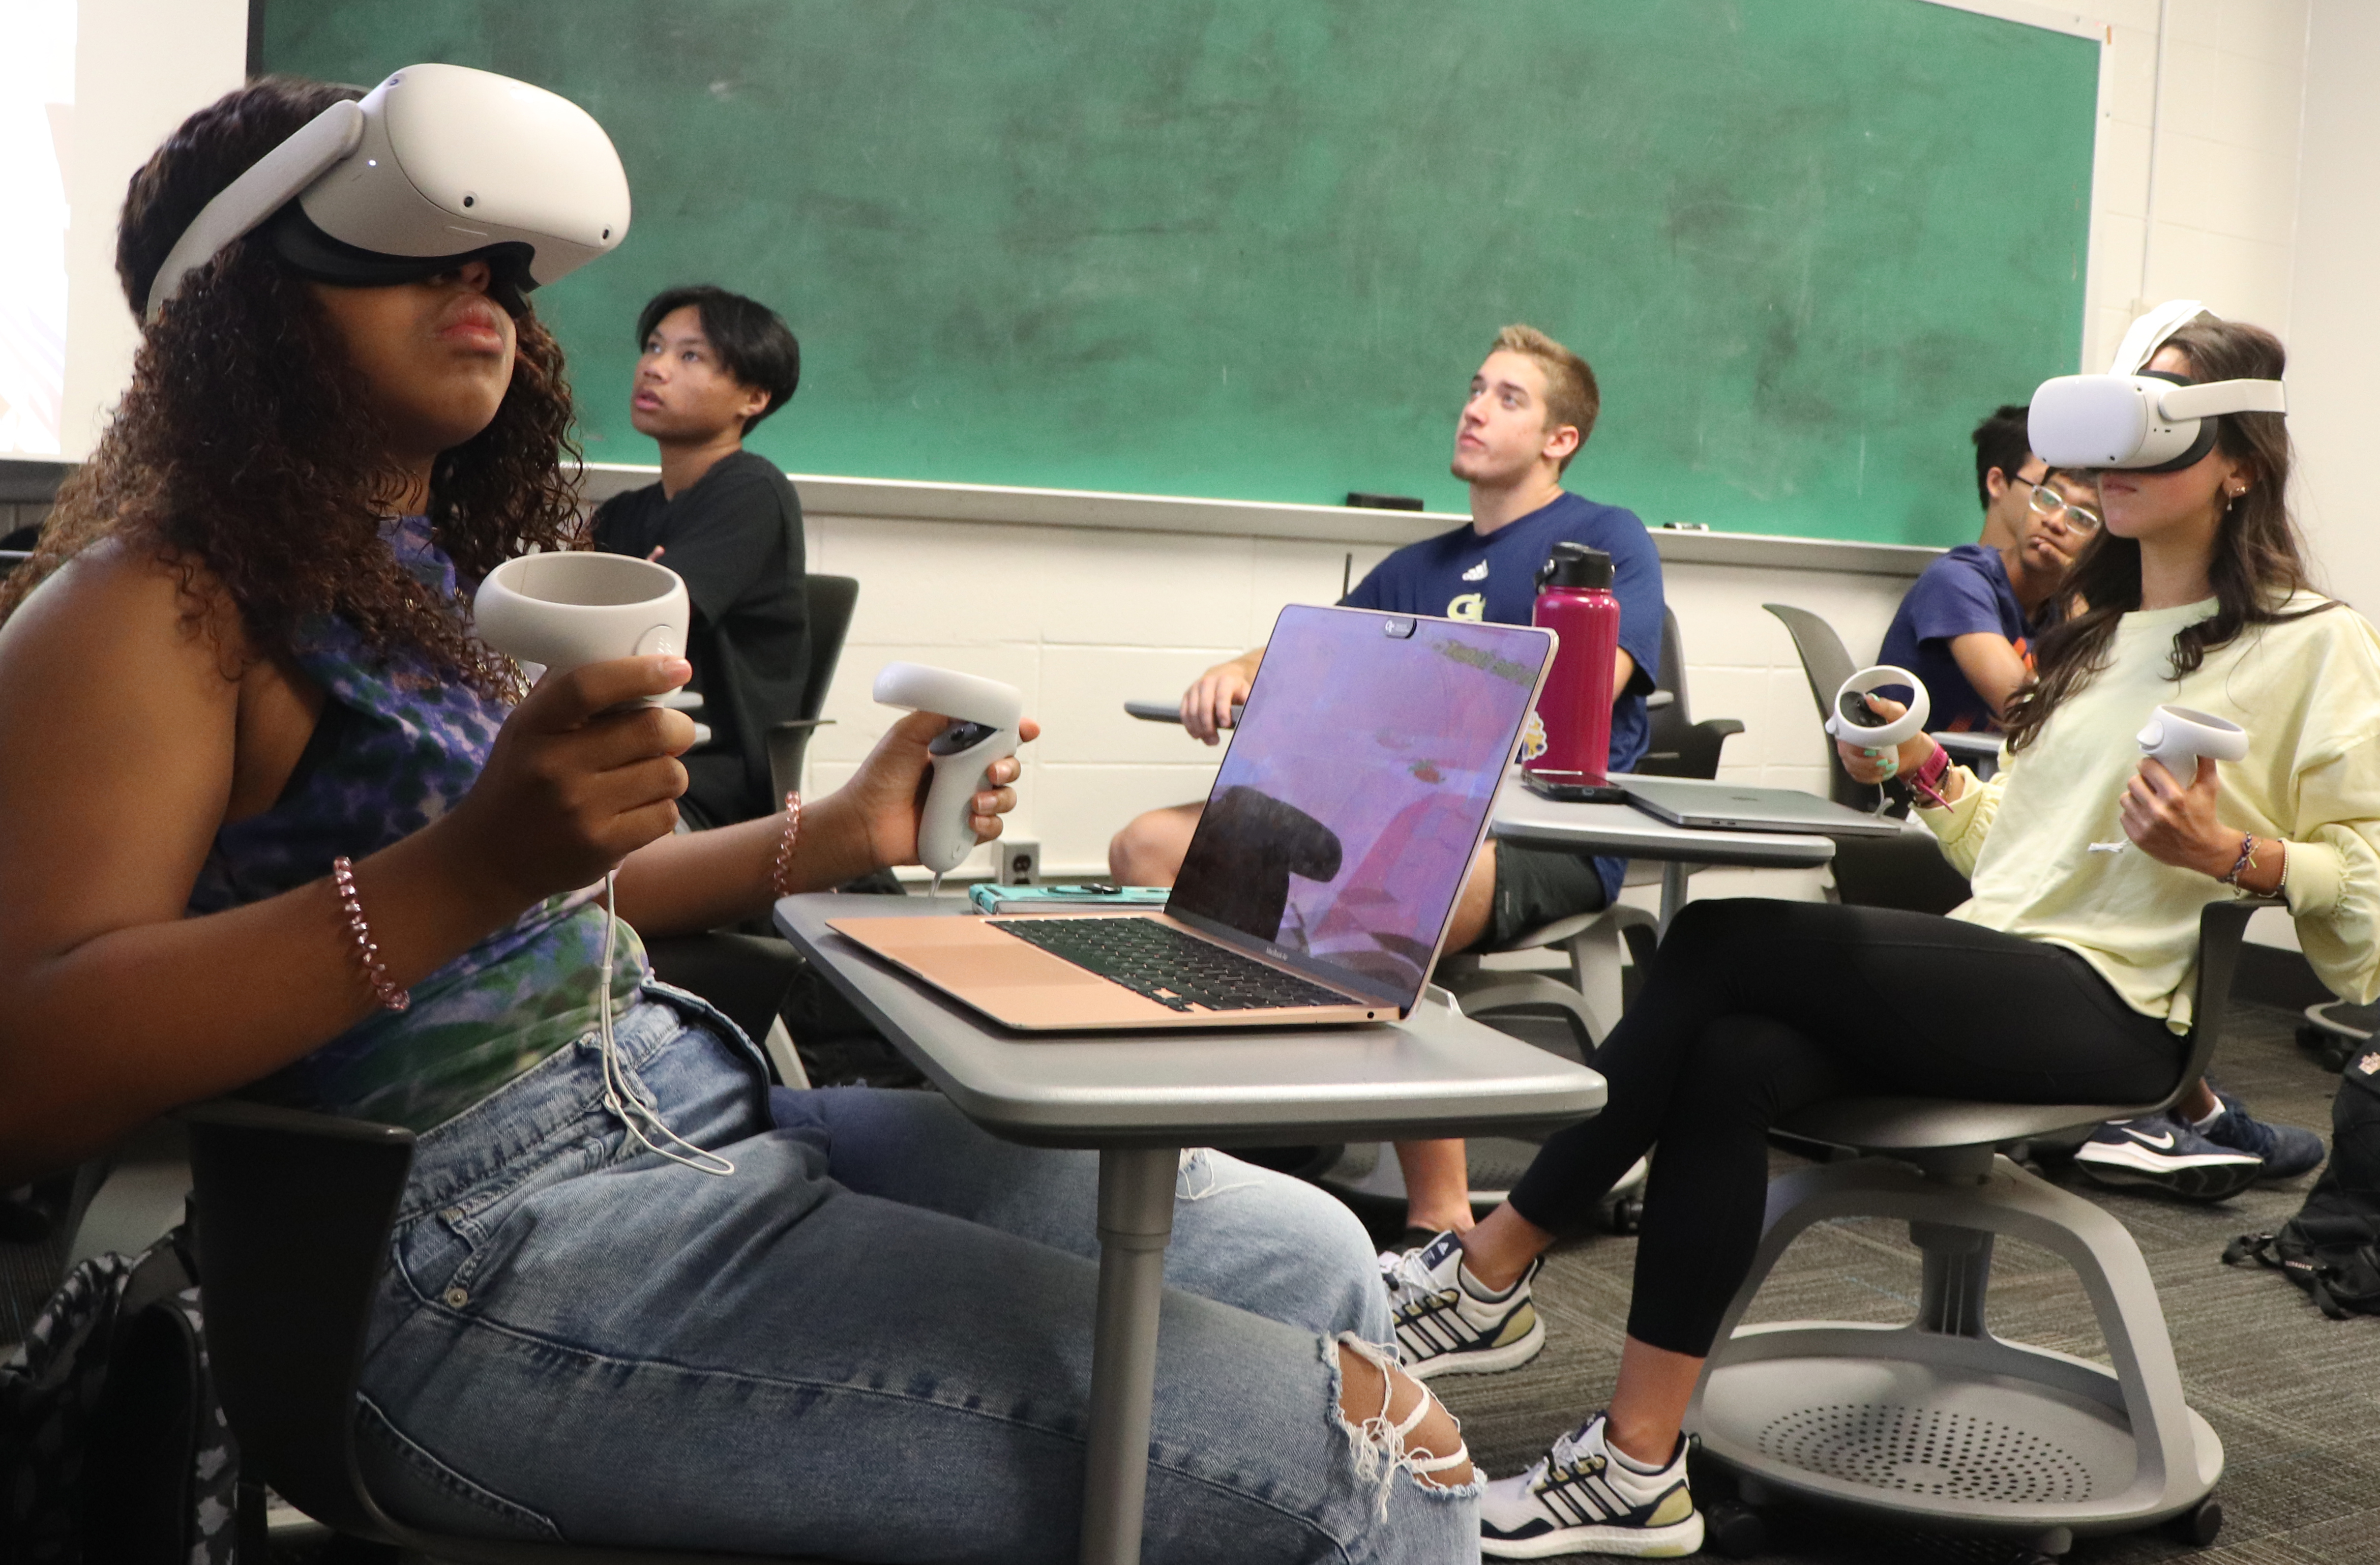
(2308, 693)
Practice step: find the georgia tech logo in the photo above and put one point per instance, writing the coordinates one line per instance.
(1533, 736)
(1472, 606)
(1476, 573)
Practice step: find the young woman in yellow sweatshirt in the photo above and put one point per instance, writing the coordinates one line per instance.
(2067, 978)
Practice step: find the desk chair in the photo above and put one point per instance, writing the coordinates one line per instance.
(832, 599)
(1590, 1004)
(294, 1212)
(1939, 1424)
(1875, 872)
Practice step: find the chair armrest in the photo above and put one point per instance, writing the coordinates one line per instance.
(1660, 699)
(292, 1218)
(1725, 727)
(800, 724)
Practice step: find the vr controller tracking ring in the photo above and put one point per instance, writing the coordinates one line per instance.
(1854, 723)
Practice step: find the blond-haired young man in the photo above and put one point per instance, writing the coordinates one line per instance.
(1531, 406)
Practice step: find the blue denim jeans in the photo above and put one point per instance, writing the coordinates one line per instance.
(872, 1342)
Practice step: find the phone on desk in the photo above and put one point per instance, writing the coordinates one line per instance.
(988, 898)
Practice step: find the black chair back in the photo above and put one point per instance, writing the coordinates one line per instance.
(1826, 665)
(293, 1213)
(1676, 745)
(832, 600)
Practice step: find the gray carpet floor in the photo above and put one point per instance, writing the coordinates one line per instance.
(2295, 1397)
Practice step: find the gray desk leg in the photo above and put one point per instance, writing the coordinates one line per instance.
(1135, 1220)
(1673, 890)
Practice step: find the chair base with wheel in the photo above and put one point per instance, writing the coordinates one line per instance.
(1939, 1424)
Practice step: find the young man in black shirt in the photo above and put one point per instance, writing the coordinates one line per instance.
(713, 365)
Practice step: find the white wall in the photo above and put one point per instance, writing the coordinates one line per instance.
(2334, 311)
(140, 67)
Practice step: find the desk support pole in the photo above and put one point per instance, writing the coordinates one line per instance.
(1674, 890)
(1135, 1220)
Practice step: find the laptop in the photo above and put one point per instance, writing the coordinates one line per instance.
(1321, 880)
(1733, 807)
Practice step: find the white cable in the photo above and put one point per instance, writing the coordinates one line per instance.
(618, 1096)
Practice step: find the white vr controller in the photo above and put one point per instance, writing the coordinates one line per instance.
(985, 716)
(1854, 722)
(2177, 736)
(561, 609)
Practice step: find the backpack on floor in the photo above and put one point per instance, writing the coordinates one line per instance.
(2332, 1247)
(111, 1445)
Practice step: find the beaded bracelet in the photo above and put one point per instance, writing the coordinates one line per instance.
(343, 875)
(785, 845)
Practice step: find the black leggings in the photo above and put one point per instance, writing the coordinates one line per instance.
(1755, 1008)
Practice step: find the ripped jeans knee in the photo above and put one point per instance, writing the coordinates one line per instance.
(1422, 1440)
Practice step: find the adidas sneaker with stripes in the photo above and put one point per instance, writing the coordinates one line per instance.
(1448, 1324)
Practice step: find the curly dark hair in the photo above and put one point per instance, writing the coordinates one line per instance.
(2258, 561)
(245, 447)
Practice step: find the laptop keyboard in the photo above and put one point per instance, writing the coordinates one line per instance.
(1176, 970)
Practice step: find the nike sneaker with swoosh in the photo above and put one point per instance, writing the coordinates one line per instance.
(2162, 1152)
(2286, 1151)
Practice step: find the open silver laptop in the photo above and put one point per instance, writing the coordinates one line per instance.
(1735, 807)
(1322, 876)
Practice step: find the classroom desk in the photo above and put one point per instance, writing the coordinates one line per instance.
(1140, 1099)
(1525, 818)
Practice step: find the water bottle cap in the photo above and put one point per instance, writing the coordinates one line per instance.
(1574, 565)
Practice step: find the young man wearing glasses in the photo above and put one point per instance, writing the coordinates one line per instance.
(1963, 626)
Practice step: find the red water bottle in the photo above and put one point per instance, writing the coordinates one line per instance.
(1575, 602)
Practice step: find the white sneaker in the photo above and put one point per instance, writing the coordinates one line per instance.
(1581, 1499)
(1447, 1323)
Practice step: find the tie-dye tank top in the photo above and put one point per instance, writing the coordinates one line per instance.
(395, 747)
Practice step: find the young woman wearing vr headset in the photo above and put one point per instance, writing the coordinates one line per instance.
(2067, 979)
(242, 657)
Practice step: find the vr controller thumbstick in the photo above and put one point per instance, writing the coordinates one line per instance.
(985, 716)
(2177, 736)
(1855, 723)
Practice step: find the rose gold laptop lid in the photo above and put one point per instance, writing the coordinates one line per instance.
(1343, 820)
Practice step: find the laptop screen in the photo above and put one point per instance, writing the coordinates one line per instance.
(1357, 787)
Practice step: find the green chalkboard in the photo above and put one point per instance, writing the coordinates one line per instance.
(1253, 249)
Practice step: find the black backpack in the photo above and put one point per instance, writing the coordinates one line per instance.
(111, 1445)
(2332, 1247)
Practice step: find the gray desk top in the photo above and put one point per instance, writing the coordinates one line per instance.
(1438, 1074)
(1523, 816)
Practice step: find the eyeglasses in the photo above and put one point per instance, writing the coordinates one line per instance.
(2050, 505)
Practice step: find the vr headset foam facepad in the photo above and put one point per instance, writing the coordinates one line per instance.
(435, 166)
(2146, 420)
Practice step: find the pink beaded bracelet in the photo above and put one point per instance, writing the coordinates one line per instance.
(343, 875)
(785, 845)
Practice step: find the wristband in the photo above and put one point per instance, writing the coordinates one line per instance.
(390, 997)
(1927, 778)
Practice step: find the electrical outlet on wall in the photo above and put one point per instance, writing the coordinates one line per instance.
(1017, 864)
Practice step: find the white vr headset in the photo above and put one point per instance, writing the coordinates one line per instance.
(2146, 420)
(437, 165)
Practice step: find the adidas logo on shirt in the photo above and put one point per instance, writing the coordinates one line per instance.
(1476, 573)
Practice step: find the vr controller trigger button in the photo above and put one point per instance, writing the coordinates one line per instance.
(2153, 735)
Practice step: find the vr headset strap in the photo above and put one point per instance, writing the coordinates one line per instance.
(2207, 398)
(270, 184)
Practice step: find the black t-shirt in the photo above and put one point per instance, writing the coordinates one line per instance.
(735, 536)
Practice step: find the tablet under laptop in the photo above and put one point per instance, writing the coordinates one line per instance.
(1733, 807)
(1322, 876)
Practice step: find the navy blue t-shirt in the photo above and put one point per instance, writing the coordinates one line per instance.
(1965, 591)
(1464, 575)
